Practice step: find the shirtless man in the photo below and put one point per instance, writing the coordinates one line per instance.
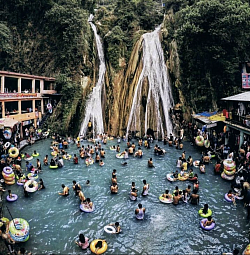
(102, 153)
(114, 188)
(45, 160)
(114, 179)
(194, 198)
(65, 191)
(82, 197)
(139, 153)
(150, 163)
(176, 198)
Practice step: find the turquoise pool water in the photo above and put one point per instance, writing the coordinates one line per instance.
(56, 221)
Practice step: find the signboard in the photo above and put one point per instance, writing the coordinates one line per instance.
(10, 95)
(245, 80)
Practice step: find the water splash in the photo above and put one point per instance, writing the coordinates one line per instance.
(159, 96)
(93, 111)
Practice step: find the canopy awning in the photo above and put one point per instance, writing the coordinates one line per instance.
(8, 122)
(242, 97)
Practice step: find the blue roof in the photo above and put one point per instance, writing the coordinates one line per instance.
(207, 114)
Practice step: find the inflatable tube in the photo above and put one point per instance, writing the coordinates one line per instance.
(89, 161)
(53, 167)
(231, 172)
(119, 155)
(35, 155)
(112, 149)
(68, 157)
(6, 146)
(8, 175)
(5, 220)
(209, 213)
(54, 153)
(13, 152)
(30, 158)
(183, 178)
(227, 198)
(100, 251)
(9, 179)
(226, 177)
(102, 164)
(109, 229)
(196, 163)
(20, 183)
(13, 198)
(247, 250)
(207, 227)
(229, 164)
(32, 176)
(33, 187)
(9, 182)
(19, 230)
(86, 209)
(207, 144)
(199, 140)
(165, 200)
(7, 170)
(170, 177)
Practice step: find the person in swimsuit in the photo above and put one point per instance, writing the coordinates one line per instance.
(81, 197)
(114, 188)
(41, 184)
(83, 242)
(76, 187)
(167, 195)
(117, 227)
(65, 191)
(133, 194)
(194, 198)
(150, 163)
(208, 222)
(176, 198)
(38, 165)
(140, 212)
(145, 188)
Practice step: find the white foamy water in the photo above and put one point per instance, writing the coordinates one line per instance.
(93, 110)
(159, 91)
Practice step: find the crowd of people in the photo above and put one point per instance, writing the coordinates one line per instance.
(95, 153)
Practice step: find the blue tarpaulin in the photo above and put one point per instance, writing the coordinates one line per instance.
(207, 114)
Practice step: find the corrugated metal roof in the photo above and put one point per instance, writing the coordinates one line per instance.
(8, 122)
(244, 97)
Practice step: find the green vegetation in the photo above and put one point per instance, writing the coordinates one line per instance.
(122, 24)
(213, 38)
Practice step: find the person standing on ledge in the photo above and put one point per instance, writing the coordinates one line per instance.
(89, 126)
(140, 212)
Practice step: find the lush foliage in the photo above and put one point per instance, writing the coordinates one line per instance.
(213, 38)
(124, 21)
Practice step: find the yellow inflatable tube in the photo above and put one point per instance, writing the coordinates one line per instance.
(98, 251)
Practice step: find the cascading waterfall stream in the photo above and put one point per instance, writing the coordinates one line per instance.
(159, 91)
(93, 110)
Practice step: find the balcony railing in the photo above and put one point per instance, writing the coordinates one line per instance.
(243, 121)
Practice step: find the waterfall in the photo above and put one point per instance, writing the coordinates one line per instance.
(158, 99)
(93, 110)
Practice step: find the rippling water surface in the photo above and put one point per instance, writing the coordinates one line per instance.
(56, 221)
